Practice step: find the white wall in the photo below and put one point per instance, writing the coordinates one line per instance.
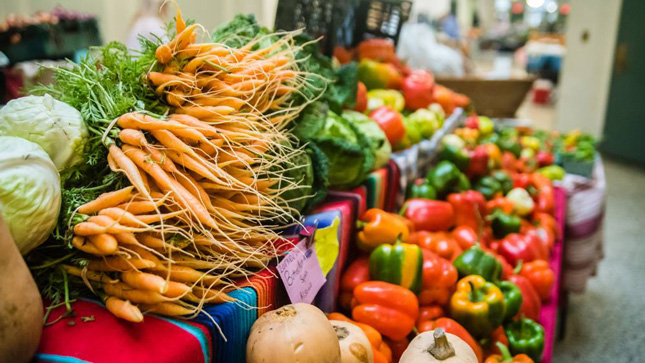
(587, 69)
(115, 16)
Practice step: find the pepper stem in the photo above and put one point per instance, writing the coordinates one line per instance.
(506, 355)
(474, 293)
(518, 268)
(441, 349)
(403, 209)
(361, 224)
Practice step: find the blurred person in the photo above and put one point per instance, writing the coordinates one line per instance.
(449, 23)
(149, 21)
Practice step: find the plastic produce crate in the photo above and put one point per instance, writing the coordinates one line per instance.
(49, 41)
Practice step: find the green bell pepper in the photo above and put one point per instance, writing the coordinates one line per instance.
(456, 155)
(400, 264)
(489, 139)
(509, 141)
(512, 298)
(412, 135)
(463, 183)
(446, 177)
(488, 186)
(421, 188)
(504, 224)
(526, 336)
(476, 261)
(504, 180)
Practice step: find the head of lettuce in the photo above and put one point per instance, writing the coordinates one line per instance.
(30, 195)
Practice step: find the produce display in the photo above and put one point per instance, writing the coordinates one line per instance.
(467, 254)
(163, 183)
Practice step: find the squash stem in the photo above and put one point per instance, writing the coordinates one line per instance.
(441, 349)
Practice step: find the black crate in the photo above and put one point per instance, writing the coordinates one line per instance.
(343, 23)
(381, 19)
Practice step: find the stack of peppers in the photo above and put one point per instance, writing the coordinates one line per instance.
(467, 253)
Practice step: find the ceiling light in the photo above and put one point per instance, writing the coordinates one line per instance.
(535, 3)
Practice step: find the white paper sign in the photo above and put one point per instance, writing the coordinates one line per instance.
(301, 273)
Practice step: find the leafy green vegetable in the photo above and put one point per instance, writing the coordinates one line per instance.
(348, 151)
(379, 145)
(103, 86)
(239, 31)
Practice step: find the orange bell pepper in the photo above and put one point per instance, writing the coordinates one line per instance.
(505, 356)
(379, 227)
(453, 327)
(440, 243)
(357, 273)
(389, 308)
(546, 198)
(439, 279)
(494, 155)
(540, 276)
(502, 203)
(374, 337)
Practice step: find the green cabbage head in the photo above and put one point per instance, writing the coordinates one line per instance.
(54, 125)
(29, 192)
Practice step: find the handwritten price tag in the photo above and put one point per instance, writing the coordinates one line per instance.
(301, 273)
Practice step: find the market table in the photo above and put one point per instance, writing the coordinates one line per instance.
(96, 333)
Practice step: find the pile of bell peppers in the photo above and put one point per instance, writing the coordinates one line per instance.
(468, 251)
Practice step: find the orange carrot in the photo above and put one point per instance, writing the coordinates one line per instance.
(104, 242)
(123, 309)
(206, 112)
(163, 54)
(140, 207)
(167, 309)
(128, 168)
(123, 291)
(126, 238)
(88, 229)
(122, 217)
(139, 121)
(176, 289)
(119, 264)
(153, 218)
(214, 297)
(82, 244)
(107, 200)
(186, 274)
(133, 137)
(166, 183)
(192, 164)
(144, 281)
(203, 127)
(90, 275)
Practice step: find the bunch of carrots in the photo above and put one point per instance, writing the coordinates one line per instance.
(205, 202)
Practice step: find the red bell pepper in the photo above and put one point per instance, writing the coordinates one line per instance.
(478, 162)
(469, 207)
(439, 279)
(357, 273)
(389, 308)
(521, 180)
(444, 97)
(398, 347)
(453, 327)
(429, 313)
(509, 162)
(490, 344)
(531, 304)
(516, 247)
(472, 122)
(465, 236)
(540, 276)
(391, 122)
(429, 215)
(417, 89)
(546, 197)
(440, 243)
(533, 233)
(544, 158)
(361, 97)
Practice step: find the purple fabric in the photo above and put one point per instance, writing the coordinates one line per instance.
(585, 228)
